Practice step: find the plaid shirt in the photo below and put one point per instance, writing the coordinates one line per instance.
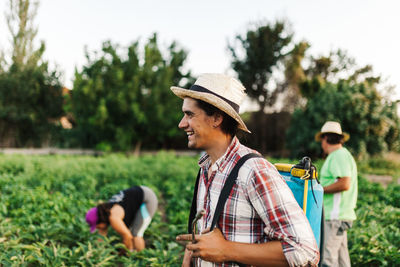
(260, 208)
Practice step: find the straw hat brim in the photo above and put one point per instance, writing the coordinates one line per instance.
(346, 136)
(213, 100)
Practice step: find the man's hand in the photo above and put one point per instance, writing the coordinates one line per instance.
(213, 247)
(210, 246)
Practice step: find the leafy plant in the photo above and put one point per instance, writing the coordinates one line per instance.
(122, 102)
(44, 199)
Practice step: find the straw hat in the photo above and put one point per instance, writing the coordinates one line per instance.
(332, 127)
(219, 90)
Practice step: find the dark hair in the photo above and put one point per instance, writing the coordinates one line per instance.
(103, 212)
(333, 138)
(229, 125)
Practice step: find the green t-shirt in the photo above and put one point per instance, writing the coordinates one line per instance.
(340, 206)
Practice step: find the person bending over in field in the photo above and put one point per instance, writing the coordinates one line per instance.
(129, 213)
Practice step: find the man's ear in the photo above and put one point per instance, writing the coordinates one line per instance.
(217, 119)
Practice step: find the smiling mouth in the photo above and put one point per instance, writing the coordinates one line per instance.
(190, 133)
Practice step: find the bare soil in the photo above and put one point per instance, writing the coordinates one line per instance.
(384, 180)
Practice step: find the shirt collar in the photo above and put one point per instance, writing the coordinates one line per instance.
(205, 161)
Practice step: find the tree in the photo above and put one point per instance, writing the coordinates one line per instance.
(123, 101)
(30, 94)
(337, 66)
(20, 20)
(294, 76)
(2, 61)
(370, 119)
(336, 88)
(256, 55)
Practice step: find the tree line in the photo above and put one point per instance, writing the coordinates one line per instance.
(121, 101)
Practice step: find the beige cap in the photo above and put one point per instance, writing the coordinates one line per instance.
(332, 127)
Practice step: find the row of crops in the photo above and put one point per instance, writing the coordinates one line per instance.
(44, 199)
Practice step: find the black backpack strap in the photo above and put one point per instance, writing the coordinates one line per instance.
(194, 204)
(226, 190)
(224, 194)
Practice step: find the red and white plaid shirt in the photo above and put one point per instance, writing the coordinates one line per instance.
(260, 208)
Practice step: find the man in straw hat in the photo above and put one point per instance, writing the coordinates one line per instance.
(261, 222)
(339, 179)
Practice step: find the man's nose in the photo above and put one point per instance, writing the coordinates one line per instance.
(183, 123)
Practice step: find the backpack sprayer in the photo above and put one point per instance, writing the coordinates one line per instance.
(302, 179)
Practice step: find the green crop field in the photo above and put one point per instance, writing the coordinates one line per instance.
(44, 199)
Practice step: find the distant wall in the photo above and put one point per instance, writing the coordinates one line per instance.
(268, 133)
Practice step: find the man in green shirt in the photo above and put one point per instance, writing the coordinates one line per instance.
(339, 179)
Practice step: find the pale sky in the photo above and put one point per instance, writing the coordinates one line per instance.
(367, 29)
